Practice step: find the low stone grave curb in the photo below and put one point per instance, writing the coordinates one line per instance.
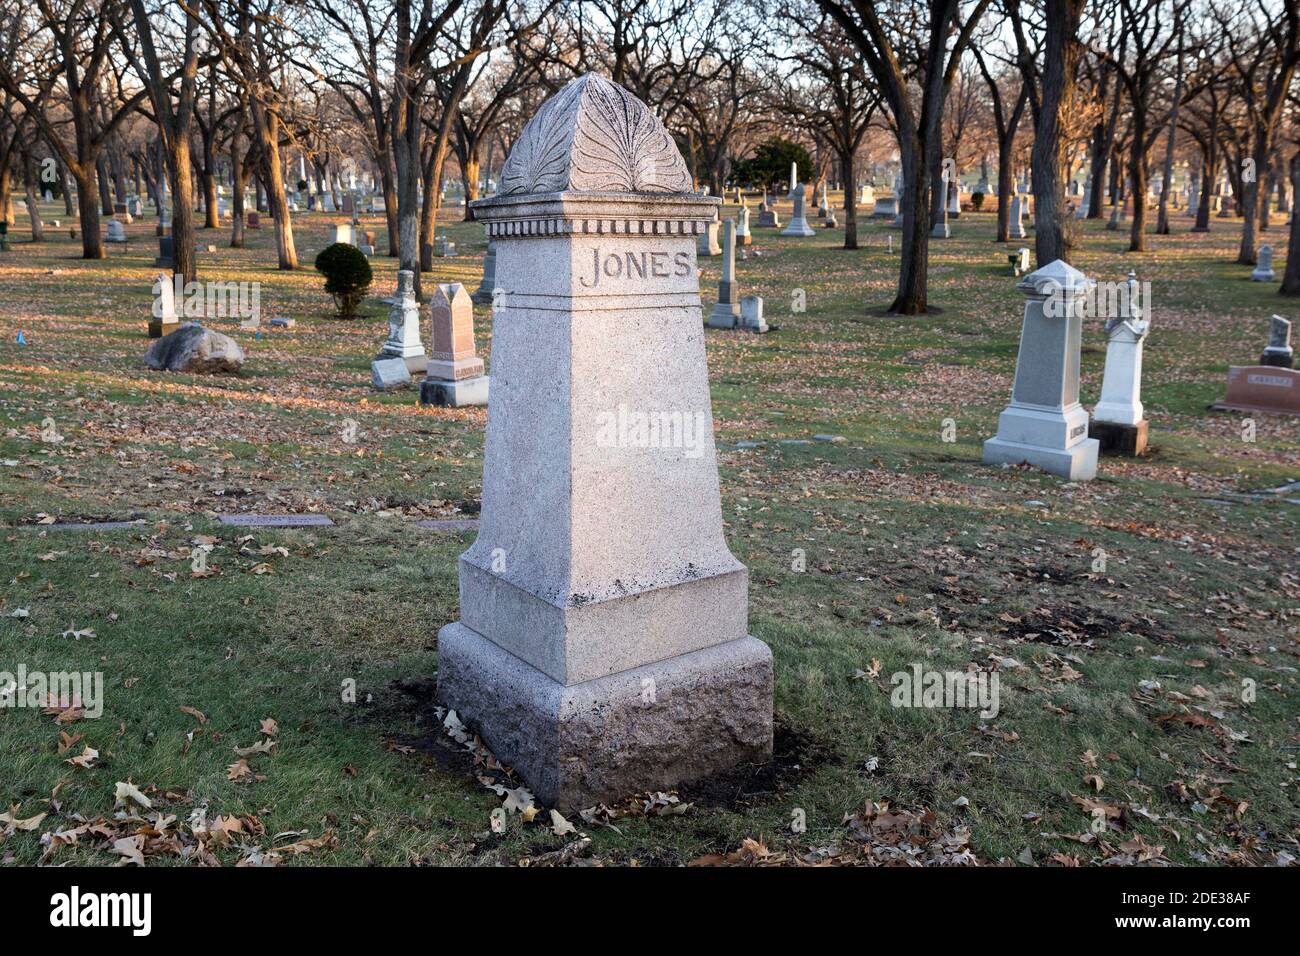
(276, 521)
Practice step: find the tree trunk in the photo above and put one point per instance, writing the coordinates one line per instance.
(182, 186)
(912, 298)
(101, 178)
(33, 213)
(6, 194)
(1096, 177)
(850, 200)
(268, 129)
(390, 199)
(429, 211)
(210, 218)
(239, 175)
(406, 156)
(1137, 185)
(1291, 279)
(1061, 54)
(67, 191)
(92, 244)
(1167, 171)
(1005, 174)
(1250, 196)
(470, 169)
(1209, 173)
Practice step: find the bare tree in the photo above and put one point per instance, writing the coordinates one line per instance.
(1263, 46)
(177, 26)
(250, 36)
(936, 41)
(69, 46)
(832, 92)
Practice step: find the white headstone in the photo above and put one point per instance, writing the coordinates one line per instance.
(163, 319)
(404, 325)
(707, 242)
(798, 221)
(743, 235)
(1264, 269)
(1121, 384)
(751, 313)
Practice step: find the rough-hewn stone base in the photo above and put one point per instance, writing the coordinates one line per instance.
(643, 729)
(1117, 439)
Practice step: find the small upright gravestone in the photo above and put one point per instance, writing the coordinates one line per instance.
(166, 253)
(726, 311)
(454, 375)
(707, 242)
(602, 648)
(743, 235)
(1017, 224)
(1019, 261)
(1118, 421)
(341, 232)
(483, 294)
(768, 218)
(1045, 425)
(798, 221)
(443, 247)
(1278, 351)
(886, 207)
(1264, 269)
(751, 313)
(387, 374)
(940, 228)
(116, 231)
(403, 340)
(163, 319)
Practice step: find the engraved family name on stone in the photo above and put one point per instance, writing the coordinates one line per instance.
(642, 264)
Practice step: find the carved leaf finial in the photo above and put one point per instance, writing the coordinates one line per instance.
(594, 136)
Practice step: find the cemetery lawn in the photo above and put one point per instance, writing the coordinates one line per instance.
(1143, 626)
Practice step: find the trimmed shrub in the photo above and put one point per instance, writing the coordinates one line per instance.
(347, 275)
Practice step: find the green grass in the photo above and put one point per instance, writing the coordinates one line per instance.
(913, 552)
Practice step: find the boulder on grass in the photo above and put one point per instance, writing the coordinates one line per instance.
(192, 348)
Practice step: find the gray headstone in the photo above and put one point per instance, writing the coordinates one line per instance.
(602, 646)
(1045, 425)
(390, 373)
